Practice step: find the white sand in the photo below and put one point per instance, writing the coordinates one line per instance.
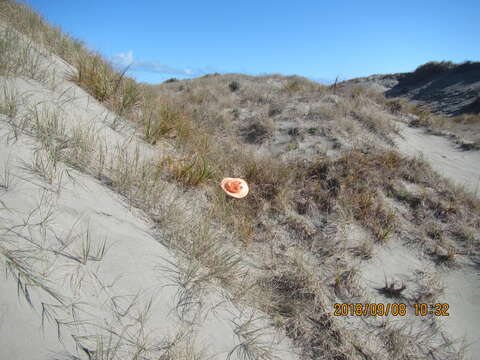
(130, 266)
(462, 293)
(399, 263)
(97, 291)
(462, 167)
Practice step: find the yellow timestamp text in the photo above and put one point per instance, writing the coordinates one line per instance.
(370, 309)
(400, 309)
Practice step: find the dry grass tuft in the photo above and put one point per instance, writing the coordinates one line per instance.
(19, 57)
(190, 172)
(120, 93)
(10, 99)
(250, 343)
(390, 290)
(162, 119)
(351, 182)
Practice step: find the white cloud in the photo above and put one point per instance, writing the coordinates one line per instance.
(128, 60)
(123, 59)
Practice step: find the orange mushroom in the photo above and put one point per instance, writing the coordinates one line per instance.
(235, 187)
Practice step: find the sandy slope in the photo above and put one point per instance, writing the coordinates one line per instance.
(461, 286)
(462, 167)
(125, 293)
(461, 292)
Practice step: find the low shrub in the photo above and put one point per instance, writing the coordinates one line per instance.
(234, 86)
(431, 69)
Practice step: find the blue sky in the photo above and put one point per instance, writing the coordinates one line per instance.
(317, 39)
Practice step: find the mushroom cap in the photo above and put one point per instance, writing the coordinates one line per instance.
(235, 187)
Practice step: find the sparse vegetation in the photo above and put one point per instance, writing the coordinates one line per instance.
(396, 106)
(234, 86)
(292, 86)
(120, 93)
(432, 68)
(9, 100)
(163, 120)
(392, 290)
(299, 203)
(191, 172)
(19, 57)
(274, 109)
(250, 343)
(459, 127)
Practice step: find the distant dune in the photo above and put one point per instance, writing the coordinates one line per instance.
(446, 88)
